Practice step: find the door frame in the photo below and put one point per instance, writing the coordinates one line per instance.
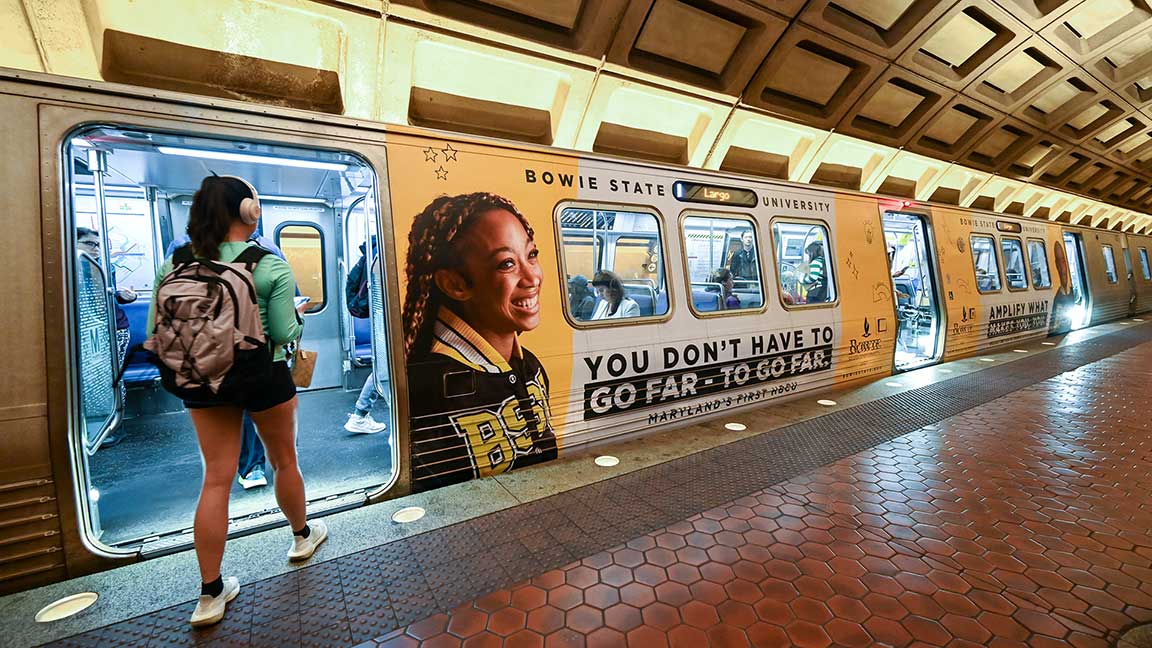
(58, 119)
(933, 274)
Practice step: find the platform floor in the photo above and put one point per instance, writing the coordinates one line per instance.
(1008, 506)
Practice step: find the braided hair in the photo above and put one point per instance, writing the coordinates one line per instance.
(432, 247)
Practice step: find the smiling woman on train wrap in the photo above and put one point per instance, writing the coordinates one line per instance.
(478, 400)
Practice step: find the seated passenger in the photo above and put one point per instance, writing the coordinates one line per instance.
(723, 276)
(580, 298)
(613, 304)
(815, 277)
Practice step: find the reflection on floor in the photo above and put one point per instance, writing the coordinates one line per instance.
(150, 481)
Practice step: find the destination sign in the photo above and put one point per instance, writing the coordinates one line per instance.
(1005, 226)
(711, 194)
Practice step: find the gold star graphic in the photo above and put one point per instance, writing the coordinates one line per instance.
(429, 154)
(441, 174)
(449, 153)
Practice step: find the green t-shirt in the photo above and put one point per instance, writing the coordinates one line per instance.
(275, 293)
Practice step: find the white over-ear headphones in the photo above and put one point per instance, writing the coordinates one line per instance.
(249, 207)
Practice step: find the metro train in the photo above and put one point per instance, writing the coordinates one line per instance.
(657, 296)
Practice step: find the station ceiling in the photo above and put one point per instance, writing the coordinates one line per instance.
(1041, 108)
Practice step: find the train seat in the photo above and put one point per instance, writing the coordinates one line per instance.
(904, 291)
(362, 327)
(139, 368)
(644, 296)
(705, 301)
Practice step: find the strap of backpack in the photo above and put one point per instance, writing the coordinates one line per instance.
(183, 254)
(251, 256)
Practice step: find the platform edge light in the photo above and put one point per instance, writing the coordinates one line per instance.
(249, 157)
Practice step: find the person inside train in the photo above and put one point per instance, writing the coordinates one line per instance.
(580, 298)
(223, 217)
(480, 399)
(896, 273)
(612, 303)
(743, 262)
(250, 472)
(723, 276)
(814, 274)
(357, 293)
(89, 242)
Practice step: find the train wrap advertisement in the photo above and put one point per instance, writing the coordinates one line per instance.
(508, 352)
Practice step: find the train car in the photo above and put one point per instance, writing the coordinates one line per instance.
(584, 298)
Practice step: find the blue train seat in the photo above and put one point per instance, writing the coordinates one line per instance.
(362, 327)
(705, 301)
(644, 296)
(904, 291)
(139, 368)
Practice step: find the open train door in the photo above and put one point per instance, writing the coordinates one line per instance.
(138, 497)
(1077, 308)
(914, 286)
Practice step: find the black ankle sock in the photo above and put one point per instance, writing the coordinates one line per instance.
(212, 589)
(361, 413)
(305, 532)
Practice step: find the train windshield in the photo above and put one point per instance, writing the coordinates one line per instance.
(129, 194)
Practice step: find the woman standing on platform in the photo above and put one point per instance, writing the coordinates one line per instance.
(224, 214)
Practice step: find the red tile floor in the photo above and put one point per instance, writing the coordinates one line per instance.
(1025, 522)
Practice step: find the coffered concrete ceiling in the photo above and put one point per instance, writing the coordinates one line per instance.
(1041, 108)
(1052, 92)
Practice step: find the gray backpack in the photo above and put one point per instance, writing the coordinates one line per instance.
(209, 339)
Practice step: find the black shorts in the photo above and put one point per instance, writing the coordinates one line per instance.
(265, 394)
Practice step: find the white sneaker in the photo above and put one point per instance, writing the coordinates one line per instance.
(253, 479)
(210, 609)
(364, 424)
(303, 548)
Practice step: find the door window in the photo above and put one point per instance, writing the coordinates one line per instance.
(722, 257)
(1014, 263)
(1144, 268)
(985, 263)
(303, 247)
(1038, 260)
(1110, 264)
(804, 266)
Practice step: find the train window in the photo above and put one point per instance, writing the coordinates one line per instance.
(613, 261)
(1038, 261)
(1147, 272)
(303, 247)
(1110, 264)
(802, 263)
(1014, 270)
(985, 263)
(723, 264)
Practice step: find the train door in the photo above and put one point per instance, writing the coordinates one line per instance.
(1080, 305)
(910, 259)
(307, 231)
(129, 188)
